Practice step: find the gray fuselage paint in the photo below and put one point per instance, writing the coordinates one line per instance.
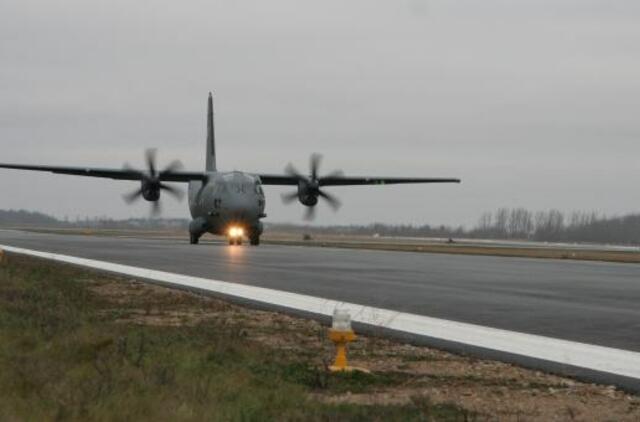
(226, 199)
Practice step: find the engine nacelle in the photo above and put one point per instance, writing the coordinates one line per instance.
(308, 200)
(308, 194)
(150, 191)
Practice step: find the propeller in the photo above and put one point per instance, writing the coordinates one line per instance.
(309, 187)
(151, 182)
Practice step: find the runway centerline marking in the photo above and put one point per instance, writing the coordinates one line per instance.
(602, 359)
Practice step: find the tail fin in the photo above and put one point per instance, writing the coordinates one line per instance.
(211, 139)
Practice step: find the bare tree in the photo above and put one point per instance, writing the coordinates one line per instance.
(501, 221)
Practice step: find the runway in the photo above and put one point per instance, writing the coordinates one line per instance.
(589, 302)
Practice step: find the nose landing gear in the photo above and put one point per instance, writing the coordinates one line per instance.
(254, 239)
(235, 241)
(235, 235)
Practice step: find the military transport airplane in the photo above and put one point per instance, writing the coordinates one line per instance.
(232, 203)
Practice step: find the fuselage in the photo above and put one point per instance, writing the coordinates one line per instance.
(225, 200)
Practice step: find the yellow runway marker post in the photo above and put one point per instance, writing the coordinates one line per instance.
(341, 335)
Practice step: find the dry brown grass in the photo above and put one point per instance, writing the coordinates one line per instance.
(133, 340)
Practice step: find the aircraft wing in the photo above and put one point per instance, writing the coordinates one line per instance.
(282, 180)
(355, 181)
(118, 174)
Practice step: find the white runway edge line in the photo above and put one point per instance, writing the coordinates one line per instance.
(597, 358)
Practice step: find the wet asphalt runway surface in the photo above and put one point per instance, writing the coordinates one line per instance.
(590, 302)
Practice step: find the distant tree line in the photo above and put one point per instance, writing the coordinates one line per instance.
(555, 226)
(133, 223)
(18, 218)
(23, 217)
(551, 225)
(509, 223)
(379, 229)
(504, 223)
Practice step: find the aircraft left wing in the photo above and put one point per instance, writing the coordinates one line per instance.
(117, 174)
(284, 180)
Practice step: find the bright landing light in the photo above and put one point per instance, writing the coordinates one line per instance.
(236, 231)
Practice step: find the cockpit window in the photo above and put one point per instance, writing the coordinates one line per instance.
(241, 186)
(240, 183)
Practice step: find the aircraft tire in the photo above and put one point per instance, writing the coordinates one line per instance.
(254, 240)
(193, 239)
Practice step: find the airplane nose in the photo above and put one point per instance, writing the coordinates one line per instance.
(243, 207)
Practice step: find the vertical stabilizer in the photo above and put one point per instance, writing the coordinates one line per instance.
(211, 139)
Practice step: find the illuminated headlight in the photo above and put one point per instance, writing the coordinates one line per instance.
(236, 232)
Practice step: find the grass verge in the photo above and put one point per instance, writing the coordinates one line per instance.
(79, 345)
(72, 348)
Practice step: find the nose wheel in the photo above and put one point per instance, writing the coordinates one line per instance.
(235, 241)
(235, 236)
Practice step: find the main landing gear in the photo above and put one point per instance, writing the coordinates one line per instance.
(254, 239)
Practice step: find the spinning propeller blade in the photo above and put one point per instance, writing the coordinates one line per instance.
(309, 187)
(151, 182)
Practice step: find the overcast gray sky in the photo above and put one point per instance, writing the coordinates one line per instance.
(532, 103)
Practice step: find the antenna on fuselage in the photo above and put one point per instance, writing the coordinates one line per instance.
(211, 139)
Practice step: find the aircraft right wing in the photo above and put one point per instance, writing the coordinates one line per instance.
(288, 180)
(359, 181)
